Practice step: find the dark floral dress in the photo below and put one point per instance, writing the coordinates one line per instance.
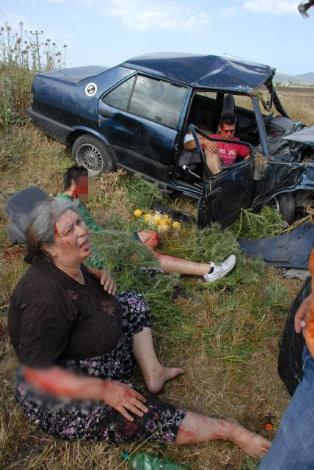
(87, 419)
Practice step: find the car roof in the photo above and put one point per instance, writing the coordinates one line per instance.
(204, 71)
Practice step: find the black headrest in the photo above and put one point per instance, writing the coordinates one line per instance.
(228, 106)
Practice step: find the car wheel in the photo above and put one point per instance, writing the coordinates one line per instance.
(285, 204)
(93, 154)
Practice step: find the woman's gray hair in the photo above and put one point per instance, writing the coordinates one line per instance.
(41, 227)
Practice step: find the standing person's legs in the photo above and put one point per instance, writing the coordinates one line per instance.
(293, 446)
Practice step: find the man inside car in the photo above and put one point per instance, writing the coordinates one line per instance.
(220, 154)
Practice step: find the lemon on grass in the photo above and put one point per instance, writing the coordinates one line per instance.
(166, 219)
(176, 225)
(149, 218)
(138, 213)
(157, 218)
(163, 227)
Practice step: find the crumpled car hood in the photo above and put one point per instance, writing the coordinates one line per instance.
(305, 136)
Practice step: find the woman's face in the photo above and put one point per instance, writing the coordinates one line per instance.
(71, 244)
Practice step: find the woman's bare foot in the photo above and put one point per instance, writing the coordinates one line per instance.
(158, 378)
(251, 443)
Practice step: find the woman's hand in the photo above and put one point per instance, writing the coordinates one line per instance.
(300, 319)
(123, 398)
(105, 280)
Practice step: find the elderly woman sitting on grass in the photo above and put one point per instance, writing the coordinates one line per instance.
(78, 344)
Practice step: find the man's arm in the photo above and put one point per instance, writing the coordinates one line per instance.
(209, 145)
(190, 144)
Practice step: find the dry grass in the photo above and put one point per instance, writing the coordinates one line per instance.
(299, 104)
(225, 336)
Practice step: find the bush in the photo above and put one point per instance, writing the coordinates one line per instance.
(22, 53)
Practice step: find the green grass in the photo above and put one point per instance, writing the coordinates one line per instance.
(218, 332)
(225, 334)
(266, 223)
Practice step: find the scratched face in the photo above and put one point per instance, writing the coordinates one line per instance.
(227, 131)
(71, 244)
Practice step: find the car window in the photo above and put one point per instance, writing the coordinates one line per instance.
(264, 98)
(158, 101)
(203, 112)
(209, 94)
(242, 101)
(120, 96)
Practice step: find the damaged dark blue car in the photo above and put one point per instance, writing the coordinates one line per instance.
(135, 116)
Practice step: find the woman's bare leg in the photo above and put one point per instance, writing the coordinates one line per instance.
(198, 428)
(155, 375)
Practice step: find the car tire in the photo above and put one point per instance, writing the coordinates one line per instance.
(286, 206)
(93, 154)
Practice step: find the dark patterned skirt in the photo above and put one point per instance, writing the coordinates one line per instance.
(87, 419)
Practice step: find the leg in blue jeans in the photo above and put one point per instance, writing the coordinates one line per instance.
(293, 446)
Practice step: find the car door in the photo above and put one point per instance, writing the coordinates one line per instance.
(226, 194)
(139, 119)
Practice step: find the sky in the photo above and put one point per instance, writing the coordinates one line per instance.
(108, 32)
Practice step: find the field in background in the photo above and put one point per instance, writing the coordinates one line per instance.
(225, 335)
(299, 103)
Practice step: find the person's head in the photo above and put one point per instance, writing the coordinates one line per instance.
(75, 181)
(227, 125)
(56, 231)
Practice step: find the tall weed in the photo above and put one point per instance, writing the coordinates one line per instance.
(22, 53)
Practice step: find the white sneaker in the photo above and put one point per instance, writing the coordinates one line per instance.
(221, 269)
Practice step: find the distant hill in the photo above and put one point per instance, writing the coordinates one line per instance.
(301, 79)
